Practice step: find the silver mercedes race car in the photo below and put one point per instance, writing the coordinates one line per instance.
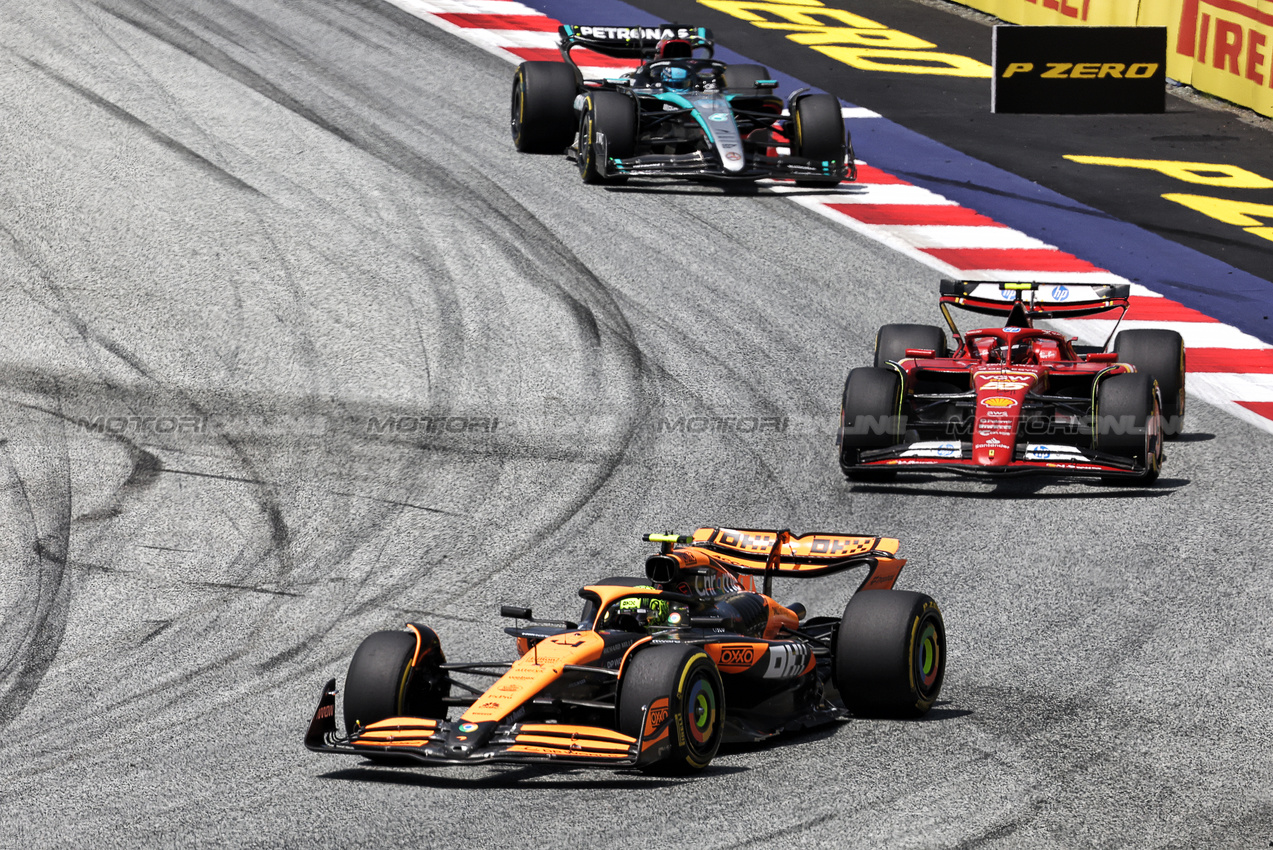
(679, 114)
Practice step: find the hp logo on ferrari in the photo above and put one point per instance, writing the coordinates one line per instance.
(1060, 293)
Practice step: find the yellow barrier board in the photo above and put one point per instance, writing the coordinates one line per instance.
(1222, 47)
(1057, 13)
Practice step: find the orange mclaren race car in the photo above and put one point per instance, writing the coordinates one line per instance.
(660, 669)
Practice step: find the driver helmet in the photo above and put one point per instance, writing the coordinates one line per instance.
(650, 611)
(1023, 352)
(674, 48)
(676, 78)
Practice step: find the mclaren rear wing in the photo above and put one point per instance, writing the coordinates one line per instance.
(629, 42)
(769, 553)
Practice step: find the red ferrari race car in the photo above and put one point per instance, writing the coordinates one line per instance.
(1015, 399)
(660, 669)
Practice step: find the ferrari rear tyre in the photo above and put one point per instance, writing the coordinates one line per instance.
(817, 133)
(613, 116)
(890, 654)
(741, 78)
(543, 109)
(892, 341)
(1160, 354)
(381, 682)
(1128, 422)
(869, 419)
(686, 678)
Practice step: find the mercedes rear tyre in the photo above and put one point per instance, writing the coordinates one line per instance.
(869, 419)
(817, 133)
(683, 688)
(892, 342)
(611, 118)
(890, 654)
(1128, 423)
(543, 110)
(1160, 354)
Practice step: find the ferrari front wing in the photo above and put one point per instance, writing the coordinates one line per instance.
(1028, 458)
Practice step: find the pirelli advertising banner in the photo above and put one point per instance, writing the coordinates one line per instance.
(1060, 13)
(1079, 70)
(1221, 47)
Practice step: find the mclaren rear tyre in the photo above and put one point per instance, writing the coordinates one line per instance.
(869, 419)
(611, 117)
(543, 111)
(817, 133)
(892, 342)
(741, 78)
(1160, 354)
(1129, 423)
(890, 654)
(684, 681)
(382, 682)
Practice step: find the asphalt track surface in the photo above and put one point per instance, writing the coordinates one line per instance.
(242, 237)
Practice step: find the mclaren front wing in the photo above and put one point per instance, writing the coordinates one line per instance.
(443, 742)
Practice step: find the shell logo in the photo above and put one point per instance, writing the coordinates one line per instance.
(999, 401)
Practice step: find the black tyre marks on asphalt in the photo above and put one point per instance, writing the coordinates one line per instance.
(37, 487)
(602, 344)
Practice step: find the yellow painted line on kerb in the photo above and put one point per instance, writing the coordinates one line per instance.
(856, 41)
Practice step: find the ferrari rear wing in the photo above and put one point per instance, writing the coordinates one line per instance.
(629, 42)
(1037, 300)
(1024, 301)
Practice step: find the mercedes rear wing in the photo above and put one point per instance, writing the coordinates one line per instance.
(629, 42)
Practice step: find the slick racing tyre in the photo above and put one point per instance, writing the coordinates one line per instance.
(816, 131)
(869, 419)
(890, 654)
(382, 683)
(893, 340)
(1161, 355)
(685, 681)
(613, 116)
(741, 78)
(543, 112)
(1128, 422)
